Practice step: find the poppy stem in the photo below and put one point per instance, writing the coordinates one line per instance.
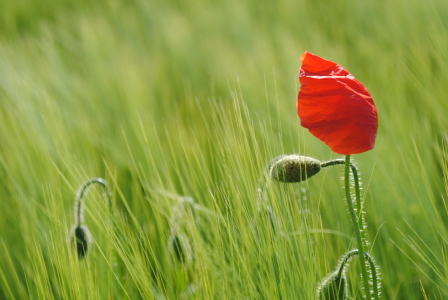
(354, 218)
(357, 193)
(347, 256)
(376, 293)
(79, 209)
(79, 216)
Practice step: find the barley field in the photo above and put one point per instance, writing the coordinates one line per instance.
(180, 106)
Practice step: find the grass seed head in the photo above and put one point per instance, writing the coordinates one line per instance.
(81, 239)
(294, 168)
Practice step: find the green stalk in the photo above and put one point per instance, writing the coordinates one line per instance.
(357, 189)
(371, 262)
(79, 218)
(358, 203)
(345, 259)
(354, 217)
(376, 294)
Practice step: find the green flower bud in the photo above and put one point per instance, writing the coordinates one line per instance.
(334, 287)
(294, 168)
(81, 239)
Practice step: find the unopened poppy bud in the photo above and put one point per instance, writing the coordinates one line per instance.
(294, 168)
(80, 236)
(334, 287)
(81, 239)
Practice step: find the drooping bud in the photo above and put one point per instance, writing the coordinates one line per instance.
(294, 168)
(80, 236)
(81, 239)
(334, 287)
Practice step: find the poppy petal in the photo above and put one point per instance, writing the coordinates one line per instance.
(335, 106)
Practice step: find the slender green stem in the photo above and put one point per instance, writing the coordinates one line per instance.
(359, 221)
(354, 218)
(371, 261)
(357, 193)
(376, 294)
(358, 198)
(344, 260)
(332, 163)
(79, 216)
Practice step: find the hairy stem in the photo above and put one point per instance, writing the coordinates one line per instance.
(347, 256)
(376, 293)
(344, 260)
(79, 216)
(357, 192)
(354, 218)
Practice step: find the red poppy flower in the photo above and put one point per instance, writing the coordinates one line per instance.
(335, 106)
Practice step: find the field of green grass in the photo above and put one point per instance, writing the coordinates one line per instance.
(180, 105)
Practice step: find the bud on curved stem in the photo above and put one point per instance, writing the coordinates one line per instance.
(81, 238)
(294, 168)
(334, 286)
(80, 235)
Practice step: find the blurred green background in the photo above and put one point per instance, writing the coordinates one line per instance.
(194, 98)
